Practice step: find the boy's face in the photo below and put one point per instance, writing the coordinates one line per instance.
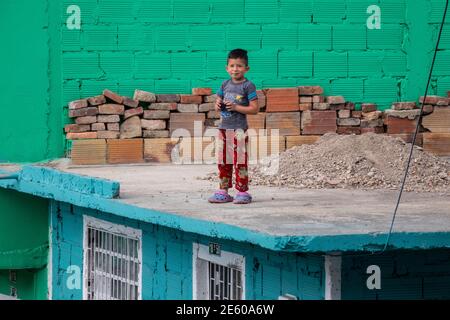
(237, 68)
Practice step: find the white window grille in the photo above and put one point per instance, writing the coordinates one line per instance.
(112, 261)
(218, 277)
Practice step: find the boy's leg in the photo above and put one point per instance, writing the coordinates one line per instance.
(223, 162)
(241, 160)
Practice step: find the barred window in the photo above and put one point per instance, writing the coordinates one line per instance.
(112, 261)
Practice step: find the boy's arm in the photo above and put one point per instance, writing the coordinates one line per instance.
(252, 108)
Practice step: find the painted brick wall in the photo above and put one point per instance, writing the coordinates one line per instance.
(170, 46)
(404, 275)
(167, 260)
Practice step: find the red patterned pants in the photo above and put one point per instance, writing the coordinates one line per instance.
(232, 153)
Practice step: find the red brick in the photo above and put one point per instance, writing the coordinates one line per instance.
(97, 100)
(368, 107)
(349, 122)
(113, 126)
(77, 128)
(340, 106)
(202, 91)
(207, 99)
(133, 112)
(213, 115)
(86, 120)
(427, 109)
(305, 106)
(168, 98)
(158, 150)
(371, 123)
(350, 106)
(335, 99)
(292, 141)
(310, 90)
(125, 151)
(307, 99)
(321, 106)
(163, 106)
(144, 96)
(155, 133)
(261, 99)
(189, 98)
(372, 115)
(318, 122)
(108, 119)
(108, 134)
(186, 121)
(256, 121)
(86, 152)
(78, 104)
(131, 103)
(404, 106)
(113, 96)
(287, 122)
(282, 100)
(156, 114)
(438, 121)
(98, 127)
(435, 100)
(84, 112)
(131, 128)
(81, 135)
(448, 94)
(118, 109)
(372, 130)
(182, 107)
(408, 137)
(344, 113)
(318, 99)
(348, 130)
(205, 107)
(153, 124)
(356, 114)
(400, 125)
(437, 143)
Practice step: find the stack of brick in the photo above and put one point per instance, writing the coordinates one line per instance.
(371, 119)
(437, 124)
(317, 115)
(401, 121)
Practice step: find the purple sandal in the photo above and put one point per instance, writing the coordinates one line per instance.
(242, 198)
(220, 196)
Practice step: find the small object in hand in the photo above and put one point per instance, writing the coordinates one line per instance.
(223, 107)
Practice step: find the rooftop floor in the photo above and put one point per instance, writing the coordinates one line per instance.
(276, 211)
(302, 220)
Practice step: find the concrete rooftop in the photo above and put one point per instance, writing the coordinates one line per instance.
(177, 192)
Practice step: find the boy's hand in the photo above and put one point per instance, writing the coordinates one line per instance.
(217, 104)
(230, 105)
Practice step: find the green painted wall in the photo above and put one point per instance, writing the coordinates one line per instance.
(170, 46)
(24, 234)
(30, 85)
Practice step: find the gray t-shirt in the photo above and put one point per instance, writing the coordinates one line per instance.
(239, 93)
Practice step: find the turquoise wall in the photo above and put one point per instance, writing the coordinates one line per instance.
(167, 260)
(404, 275)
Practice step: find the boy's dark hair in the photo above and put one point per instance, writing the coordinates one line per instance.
(238, 53)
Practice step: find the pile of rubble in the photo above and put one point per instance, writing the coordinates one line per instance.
(368, 161)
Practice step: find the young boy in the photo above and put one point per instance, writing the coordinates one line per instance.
(235, 99)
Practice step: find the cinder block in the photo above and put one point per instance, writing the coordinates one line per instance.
(185, 65)
(364, 64)
(116, 11)
(190, 11)
(263, 64)
(346, 37)
(207, 37)
(154, 11)
(330, 64)
(131, 39)
(99, 37)
(295, 64)
(314, 37)
(81, 65)
(394, 64)
(328, 11)
(125, 151)
(117, 64)
(220, 11)
(261, 10)
(243, 36)
(171, 37)
(295, 11)
(381, 90)
(279, 36)
(155, 65)
(390, 36)
(173, 85)
(351, 89)
(86, 152)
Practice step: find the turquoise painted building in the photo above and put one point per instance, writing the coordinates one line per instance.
(103, 247)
